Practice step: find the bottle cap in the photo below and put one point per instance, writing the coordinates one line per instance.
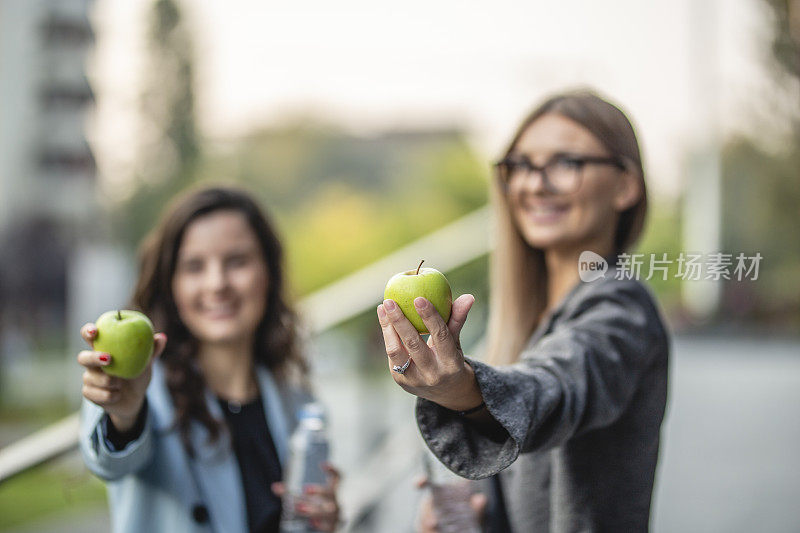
(311, 410)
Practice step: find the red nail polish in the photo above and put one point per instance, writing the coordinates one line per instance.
(104, 357)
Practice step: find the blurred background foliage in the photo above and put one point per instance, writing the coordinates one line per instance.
(761, 197)
(339, 199)
(761, 202)
(344, 200)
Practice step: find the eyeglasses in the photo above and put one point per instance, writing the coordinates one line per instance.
(561, 174)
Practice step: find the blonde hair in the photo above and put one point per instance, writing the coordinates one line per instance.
(518, 274)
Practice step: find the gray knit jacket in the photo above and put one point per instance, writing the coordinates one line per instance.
(576, 438)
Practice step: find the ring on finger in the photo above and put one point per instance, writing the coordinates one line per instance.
(402, 369)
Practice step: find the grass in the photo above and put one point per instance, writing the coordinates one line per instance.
(42, 413)
(48, 490)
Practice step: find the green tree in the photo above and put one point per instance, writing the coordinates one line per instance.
(761, 196)
(786, 42)
(760, 213)
(786, 34)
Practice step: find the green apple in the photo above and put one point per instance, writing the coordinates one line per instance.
(128, 337)
(426, 282)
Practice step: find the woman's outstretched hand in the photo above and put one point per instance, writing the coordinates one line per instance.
(437, 371)
(120, 398)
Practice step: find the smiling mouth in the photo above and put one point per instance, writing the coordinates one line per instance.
(544, 213)
(221, 311)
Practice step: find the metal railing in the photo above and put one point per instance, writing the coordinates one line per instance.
(447, 248)
(45, 445)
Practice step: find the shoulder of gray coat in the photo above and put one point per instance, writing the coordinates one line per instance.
(632, 291)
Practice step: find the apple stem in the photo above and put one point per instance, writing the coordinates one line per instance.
(420, 266)
(119, 314)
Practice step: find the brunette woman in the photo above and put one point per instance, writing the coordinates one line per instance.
(199, 441)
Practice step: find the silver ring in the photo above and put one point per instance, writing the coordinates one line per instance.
(402, 369)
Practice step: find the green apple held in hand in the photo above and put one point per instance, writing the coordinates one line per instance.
(428, 283)
(128, 337)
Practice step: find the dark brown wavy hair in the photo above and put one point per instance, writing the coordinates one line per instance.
(276, 339)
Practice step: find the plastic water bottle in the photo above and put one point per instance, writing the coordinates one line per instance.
(308, 450)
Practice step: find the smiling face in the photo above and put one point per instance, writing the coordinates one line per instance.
(580, 220)
(220, 282)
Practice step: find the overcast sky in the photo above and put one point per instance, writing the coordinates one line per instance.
(368, 65)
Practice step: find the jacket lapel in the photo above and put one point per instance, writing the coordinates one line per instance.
(213, 478)
(276, 413)
(217, 475)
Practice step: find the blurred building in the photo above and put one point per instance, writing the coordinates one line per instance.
(47, 171)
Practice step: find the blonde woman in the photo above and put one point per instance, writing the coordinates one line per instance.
(564, 418)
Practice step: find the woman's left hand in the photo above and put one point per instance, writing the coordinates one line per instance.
(438, 371)
(318, 502)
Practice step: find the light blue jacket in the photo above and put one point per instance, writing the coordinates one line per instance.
(154, 486)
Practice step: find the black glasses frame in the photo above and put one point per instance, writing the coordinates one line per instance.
(506, 166)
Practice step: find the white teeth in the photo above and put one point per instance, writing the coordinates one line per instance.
(220, 309)
(544, 210)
